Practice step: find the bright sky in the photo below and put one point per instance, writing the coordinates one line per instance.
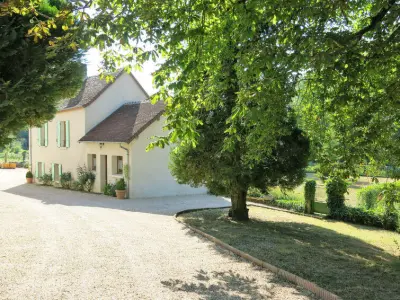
(145, 78)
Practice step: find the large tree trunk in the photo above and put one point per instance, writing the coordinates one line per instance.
(239, 209)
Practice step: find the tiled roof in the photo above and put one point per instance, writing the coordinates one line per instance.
(91, 89)
(125, 123)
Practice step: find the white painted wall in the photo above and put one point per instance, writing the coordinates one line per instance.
(70, 157)
(109, 149)
(124, 89)
(150, 175)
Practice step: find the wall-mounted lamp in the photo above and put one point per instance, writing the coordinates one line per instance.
(101, 145)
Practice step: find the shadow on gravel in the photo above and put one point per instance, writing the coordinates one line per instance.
(161, 206)
(227, 285)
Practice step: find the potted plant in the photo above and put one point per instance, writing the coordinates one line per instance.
(29, 177)
(120, 189)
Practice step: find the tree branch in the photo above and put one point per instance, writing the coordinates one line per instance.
(375, 20)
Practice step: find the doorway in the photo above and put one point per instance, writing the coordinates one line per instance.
(103, 171)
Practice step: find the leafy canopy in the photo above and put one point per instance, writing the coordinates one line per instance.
(34, 74)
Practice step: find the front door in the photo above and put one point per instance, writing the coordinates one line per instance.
(103, 171)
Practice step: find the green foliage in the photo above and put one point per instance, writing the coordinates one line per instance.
(254, 192)
(335, 190)
(290, 204)
(120, 185)
(391, 197)
(46, 179)
(34, 74)
(29, 174)
(232, 172)
(368, 197)
(86, 178)
(366, 217)
(279, 194)
(66, 180)
(109, 189)
(77, 186)
(309, 195)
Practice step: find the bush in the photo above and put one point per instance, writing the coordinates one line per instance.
(335, 190)
(254, 192)
(109, 190)
(86, 178)
(391, 196)
(309, 195)
(29, 174)
(368, 197)
(46, 179)
(76, 186)
(293, 204)
(65, 180)
(278, 194)
(120, 185)
(366, 217)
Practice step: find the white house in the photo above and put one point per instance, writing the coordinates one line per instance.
(107, 126)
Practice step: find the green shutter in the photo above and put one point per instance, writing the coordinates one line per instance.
(60, 170)
(52, 171)
(37, 170)
(67, 134)
(46, 134)
(43, 169)
(38, 136)
(58, 134)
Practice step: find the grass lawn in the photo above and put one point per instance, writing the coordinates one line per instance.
(351, 197)
(353, 261)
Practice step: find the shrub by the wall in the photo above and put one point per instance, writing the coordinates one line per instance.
(46, 179)
(76, 186)
(309, 196)
(335, 190)
(66, 180)
(86, 178)
(109, 190)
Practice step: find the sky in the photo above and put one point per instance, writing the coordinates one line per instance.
(145, 78)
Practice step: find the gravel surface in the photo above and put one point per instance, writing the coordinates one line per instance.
(57, 244)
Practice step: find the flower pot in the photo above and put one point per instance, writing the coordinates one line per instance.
(120, 194)
(29, 180)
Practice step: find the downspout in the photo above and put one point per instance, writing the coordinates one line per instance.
(129, 169)
(30, 148)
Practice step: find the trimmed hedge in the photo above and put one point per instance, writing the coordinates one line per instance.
(309, 196)
(366, 217)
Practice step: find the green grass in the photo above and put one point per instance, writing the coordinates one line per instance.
(320, 194)
(355, 262)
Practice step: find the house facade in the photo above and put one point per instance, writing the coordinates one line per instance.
(107, 128)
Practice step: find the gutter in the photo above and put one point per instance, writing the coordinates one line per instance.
(129, 169)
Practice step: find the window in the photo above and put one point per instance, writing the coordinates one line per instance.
(39, 169)
(63, 134)
(92, 162)
(117, 165)
(56, 172)
(42, 135)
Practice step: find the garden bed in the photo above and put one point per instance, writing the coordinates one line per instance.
(352, 261)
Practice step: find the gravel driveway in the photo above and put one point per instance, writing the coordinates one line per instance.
(57, 244)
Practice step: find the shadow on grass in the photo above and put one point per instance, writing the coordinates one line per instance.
(227, 285)
(342, 264)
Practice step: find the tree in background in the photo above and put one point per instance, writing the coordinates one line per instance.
(38, 67)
